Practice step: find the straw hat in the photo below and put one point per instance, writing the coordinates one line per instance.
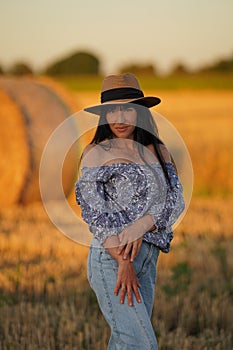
(124, 88)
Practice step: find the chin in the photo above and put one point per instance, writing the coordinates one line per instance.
(124, 136)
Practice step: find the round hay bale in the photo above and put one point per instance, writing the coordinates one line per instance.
(38, 110)
(14, 151)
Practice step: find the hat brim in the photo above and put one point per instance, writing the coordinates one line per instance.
(148, 101)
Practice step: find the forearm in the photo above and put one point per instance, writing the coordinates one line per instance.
(145, 224)
(141, 226)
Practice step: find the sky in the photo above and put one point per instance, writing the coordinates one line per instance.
(118, 32)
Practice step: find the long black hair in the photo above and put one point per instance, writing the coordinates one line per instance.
(145, 133)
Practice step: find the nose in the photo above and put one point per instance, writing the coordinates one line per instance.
(120, 115)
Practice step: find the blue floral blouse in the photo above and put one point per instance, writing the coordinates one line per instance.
(113, 196)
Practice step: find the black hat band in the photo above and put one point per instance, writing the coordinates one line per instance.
(120, 94)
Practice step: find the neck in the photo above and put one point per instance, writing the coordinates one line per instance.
(121, 143)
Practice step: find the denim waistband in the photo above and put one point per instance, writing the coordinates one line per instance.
(96, 243)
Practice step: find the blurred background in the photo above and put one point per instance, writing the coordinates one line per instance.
(54, 55)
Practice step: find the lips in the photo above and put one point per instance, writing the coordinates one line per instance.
(121, 129)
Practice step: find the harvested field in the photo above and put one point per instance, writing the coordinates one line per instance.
(45, 300)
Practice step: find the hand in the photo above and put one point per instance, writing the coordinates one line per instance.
(127, 282)
(131, 237)
(130, 241)
(133, 247)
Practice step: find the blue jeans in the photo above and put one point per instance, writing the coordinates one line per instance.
(131, 327)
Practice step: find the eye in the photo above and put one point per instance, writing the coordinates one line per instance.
(111, 109)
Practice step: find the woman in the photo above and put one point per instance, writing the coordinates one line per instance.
(130, 196)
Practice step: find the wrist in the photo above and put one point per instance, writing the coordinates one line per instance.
(118, 257)
(122, 261)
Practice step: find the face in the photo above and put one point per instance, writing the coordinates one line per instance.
(122, 120)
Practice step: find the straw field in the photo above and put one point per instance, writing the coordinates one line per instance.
(45, 300)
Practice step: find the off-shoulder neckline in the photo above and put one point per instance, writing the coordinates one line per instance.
(156, 163)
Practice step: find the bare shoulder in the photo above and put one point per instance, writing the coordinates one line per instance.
(164, 151)
(87, 149)
(90, 156)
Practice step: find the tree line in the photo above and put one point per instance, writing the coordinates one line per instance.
(82, 62)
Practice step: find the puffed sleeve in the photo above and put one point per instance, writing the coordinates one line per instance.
(97, 212)
(173, 204)
(166, 212)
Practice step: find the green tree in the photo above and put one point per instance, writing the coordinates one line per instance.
(139, 69)
(179, 69)
(20, 68)
(220, 66)
(223, 66)
(77, 63)
(1, 70)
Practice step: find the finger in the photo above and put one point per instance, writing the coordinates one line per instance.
(127, 250)
(120, 249)
(137, 294)
(122, 294)
(135, 250)
(117, 287)
(130, 296)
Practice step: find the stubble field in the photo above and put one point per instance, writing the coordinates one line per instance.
(45, 299)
